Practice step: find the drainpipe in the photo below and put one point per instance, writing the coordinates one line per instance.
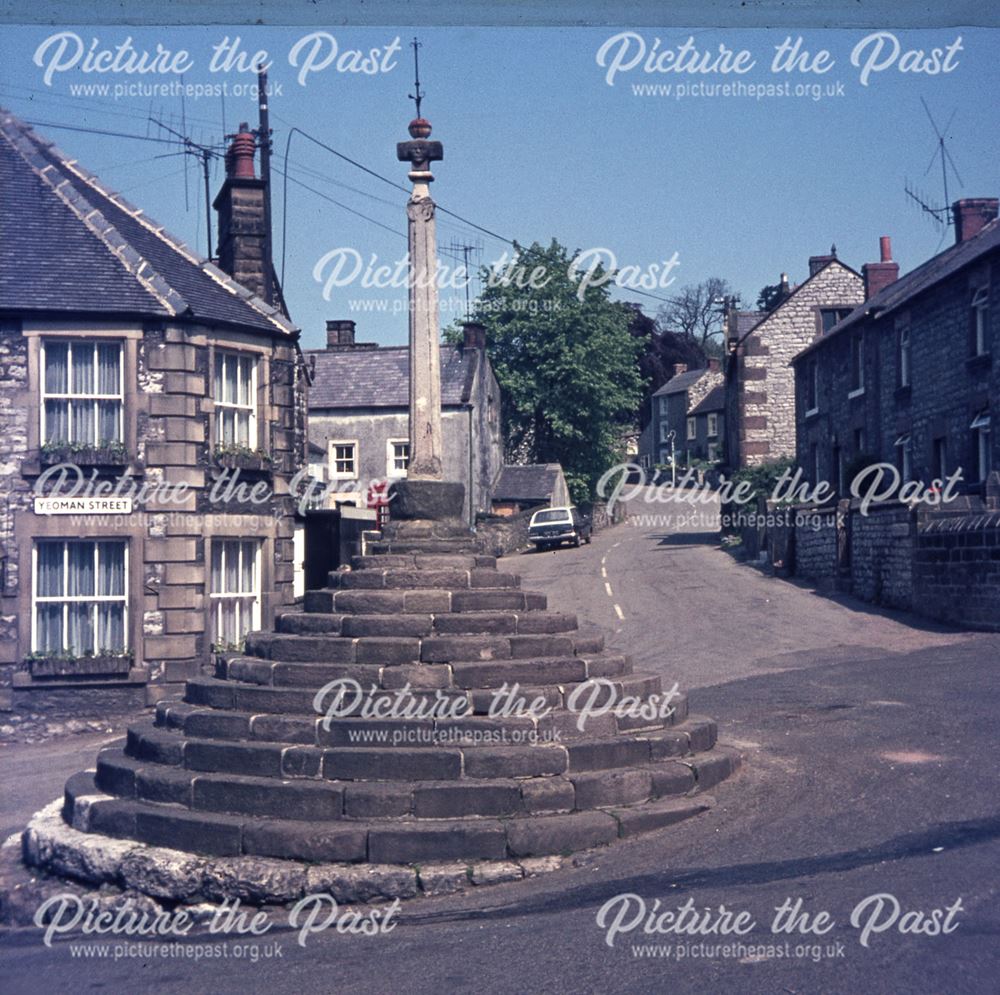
(472, 514)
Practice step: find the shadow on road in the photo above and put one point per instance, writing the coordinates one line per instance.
(949, 835)
(687, 539)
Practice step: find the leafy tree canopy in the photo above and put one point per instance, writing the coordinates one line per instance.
(567, 365)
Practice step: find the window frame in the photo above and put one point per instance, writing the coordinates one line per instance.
(218, 599)
(904, 456)
(712, 425)
(839, 314)
(336, 474)
(692, 428)
(981, 431)
(390, 458)
(979, 306)
(904, 355)
(857, 359)
(67, 599)
(93, 398)
(220, 354)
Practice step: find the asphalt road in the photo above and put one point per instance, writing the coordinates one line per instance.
(870, 744)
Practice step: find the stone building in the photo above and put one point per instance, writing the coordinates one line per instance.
(671, 410)
(760, 381)
(358, 414)
(709, 414)
(529, 486)
(166, 385)
(909, 378)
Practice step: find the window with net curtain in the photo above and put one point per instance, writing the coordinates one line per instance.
(235, 400)
(80, 602)
(235, 590)
(82, 391)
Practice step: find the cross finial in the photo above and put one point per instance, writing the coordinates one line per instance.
(417, 96)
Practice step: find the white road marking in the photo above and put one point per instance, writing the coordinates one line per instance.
(604, 572)
(607, 587)
(619, 612)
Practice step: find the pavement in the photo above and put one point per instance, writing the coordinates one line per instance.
(869, 741)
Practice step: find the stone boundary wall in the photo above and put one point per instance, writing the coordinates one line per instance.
(815, 549)
(956, 569)
(944, 566)
(882, 552)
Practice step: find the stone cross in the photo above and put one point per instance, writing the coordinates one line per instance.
(426, 447)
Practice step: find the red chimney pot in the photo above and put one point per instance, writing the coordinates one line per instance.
(878, 276)
(239, 159)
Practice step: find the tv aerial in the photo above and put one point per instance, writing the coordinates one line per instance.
(940, 214)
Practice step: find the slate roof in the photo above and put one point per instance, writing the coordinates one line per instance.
(68, 243)
(532, 482)
(902, 291)
(714, 400)
(681, 381)
(746, 321)
(380, 378)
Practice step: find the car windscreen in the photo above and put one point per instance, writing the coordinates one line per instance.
(550, 516)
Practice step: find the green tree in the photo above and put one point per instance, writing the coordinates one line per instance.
(770, 297)
(566, 363)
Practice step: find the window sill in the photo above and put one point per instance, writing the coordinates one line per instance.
(91, 456)
(857, 392)
(255, 462)
(83, 666)
(812, 411)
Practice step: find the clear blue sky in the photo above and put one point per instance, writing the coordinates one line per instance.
(537, 145)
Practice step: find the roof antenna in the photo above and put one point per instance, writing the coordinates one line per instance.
(417, 96)
(940, 215)
(205, 154)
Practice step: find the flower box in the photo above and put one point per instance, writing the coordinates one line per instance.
(84, 455)
(64, 666)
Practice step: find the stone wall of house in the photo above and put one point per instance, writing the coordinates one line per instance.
(956, 569)
(762, 374)
(14, 432)
(816, 544)
(882, 550)
(169, 435)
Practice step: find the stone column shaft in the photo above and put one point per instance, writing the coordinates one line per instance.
(426, 444)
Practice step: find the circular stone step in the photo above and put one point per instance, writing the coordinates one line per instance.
(248, 768)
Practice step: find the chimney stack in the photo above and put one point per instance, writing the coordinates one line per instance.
(879, 275)
(242, 222)
(972, 215)
(816, 263)
(339, 334)
(473, 335)
(680, 368)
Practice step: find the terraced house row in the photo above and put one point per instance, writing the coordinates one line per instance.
(911, 377)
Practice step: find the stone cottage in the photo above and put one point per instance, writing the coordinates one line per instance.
(709, 441)
(760, 381)
(160, 385)
(358, 414)
(672, 410)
